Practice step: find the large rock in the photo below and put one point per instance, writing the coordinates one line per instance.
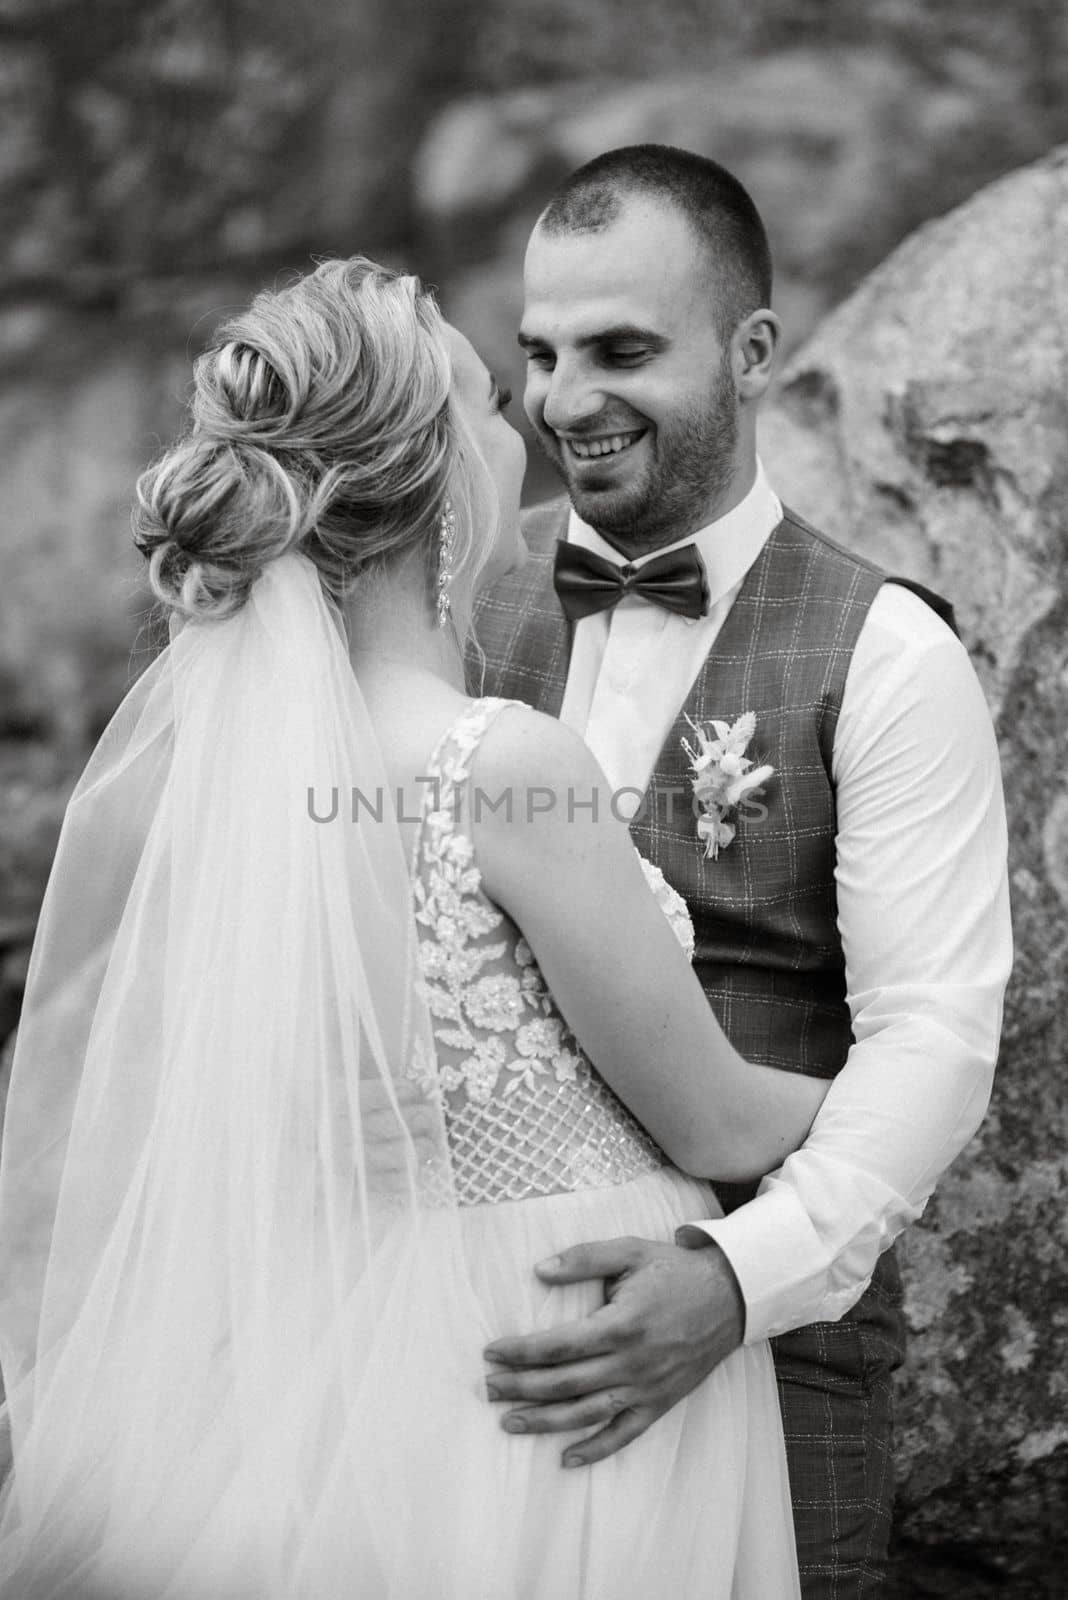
(174, 136)
(87, 415)
(925, 425)
(845, 151)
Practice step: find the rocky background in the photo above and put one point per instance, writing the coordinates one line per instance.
(160, 160)
(925, 424)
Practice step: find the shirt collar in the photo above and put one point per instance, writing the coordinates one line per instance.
(728, 546)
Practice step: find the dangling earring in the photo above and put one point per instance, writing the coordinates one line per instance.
(447, 527)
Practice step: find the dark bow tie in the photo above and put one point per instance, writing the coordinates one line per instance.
(586, 582)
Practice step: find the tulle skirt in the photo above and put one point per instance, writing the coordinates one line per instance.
(697, 1508)
(398, 1483)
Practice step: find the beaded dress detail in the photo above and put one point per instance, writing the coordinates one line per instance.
(526, 1112)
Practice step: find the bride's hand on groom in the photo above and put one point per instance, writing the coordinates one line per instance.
(670, 1316)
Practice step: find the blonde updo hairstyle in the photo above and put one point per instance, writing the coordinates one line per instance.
(321, 423)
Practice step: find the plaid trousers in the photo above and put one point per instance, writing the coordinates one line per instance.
(836, 1391)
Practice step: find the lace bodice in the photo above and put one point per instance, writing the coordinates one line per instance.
(526, 1112)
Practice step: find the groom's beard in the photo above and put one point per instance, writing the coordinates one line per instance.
(689, 471)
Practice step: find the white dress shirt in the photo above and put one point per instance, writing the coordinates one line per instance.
(922, 911)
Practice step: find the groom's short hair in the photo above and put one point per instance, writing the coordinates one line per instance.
(717, 207)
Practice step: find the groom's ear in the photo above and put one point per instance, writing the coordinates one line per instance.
(753, 348)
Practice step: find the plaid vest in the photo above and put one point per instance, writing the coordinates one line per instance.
(768, 952)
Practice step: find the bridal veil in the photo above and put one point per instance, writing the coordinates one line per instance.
(230, 1265)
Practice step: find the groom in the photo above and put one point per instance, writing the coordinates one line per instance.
(856, 924)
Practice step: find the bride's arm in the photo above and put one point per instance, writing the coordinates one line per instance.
(574, 885)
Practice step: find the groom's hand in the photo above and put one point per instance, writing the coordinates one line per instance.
(670, 1316)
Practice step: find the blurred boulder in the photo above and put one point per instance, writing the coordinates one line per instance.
(72, 599)
(172, 136)
(845, 151)
(924, 425)
(34, 788)
(33, 795)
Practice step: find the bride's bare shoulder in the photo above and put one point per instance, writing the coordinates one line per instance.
(541, 805)
(520, 747)
(524, 746)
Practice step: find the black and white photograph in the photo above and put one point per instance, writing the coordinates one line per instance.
(533, 815)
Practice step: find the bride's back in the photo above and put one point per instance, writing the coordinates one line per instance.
(526, 1112)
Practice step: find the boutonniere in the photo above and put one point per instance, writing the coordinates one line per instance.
(723, 777)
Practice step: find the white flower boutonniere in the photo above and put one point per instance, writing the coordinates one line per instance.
(723, 777)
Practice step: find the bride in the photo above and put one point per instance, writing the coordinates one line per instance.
(350, 1001)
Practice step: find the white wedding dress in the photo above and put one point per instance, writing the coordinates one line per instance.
(546, 1156)
(243, 1359)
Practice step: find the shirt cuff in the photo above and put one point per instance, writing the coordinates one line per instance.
(780, 1263)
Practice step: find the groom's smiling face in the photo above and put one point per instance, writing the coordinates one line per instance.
(629, 383)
